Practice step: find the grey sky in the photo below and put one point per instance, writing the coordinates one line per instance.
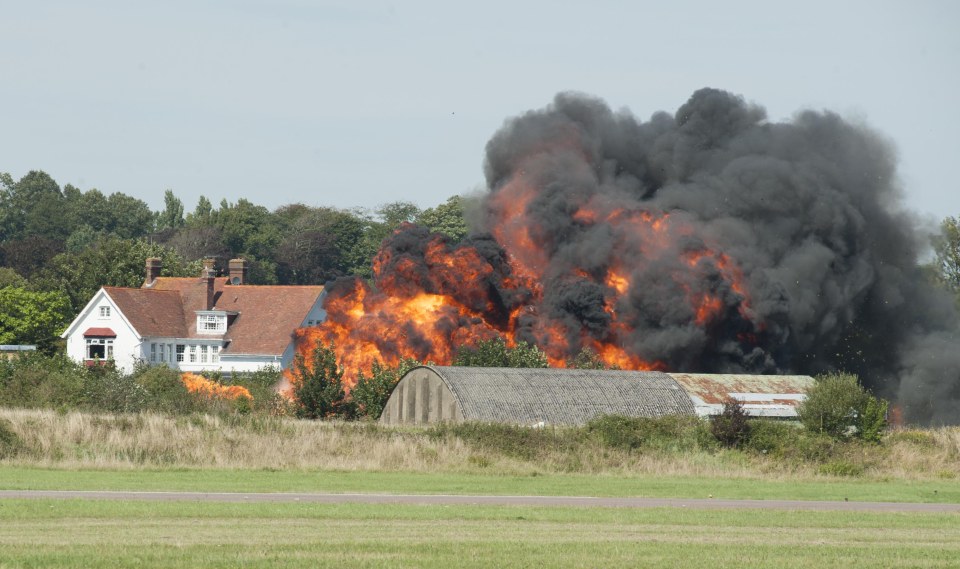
(355, 104)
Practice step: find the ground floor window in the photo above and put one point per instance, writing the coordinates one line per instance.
(99, 348)
(203, 354)
(180, 348)
(214, 354)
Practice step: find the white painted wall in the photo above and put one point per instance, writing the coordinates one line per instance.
(126, 346)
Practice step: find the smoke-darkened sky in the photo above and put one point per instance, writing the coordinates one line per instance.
(355, 104)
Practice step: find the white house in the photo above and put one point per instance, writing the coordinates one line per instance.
(194, 324)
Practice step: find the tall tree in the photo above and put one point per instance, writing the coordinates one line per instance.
(172, 215)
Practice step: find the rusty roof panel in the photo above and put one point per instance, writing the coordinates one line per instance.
(760, 395)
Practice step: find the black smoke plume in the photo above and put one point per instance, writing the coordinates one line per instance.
(809, 212)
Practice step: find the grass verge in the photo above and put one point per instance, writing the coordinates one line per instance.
(210, 480)
(52, 533)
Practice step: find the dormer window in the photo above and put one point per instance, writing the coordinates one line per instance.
(211, 322)
(104, 312)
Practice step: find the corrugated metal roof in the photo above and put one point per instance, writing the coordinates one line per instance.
(760, 395)
(562, 396)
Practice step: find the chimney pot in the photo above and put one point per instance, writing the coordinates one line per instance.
(152, 270)
(209, 274)
(238, 271)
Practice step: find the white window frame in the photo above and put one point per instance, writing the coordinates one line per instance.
(211, 323)
(193, 353)
(180, 349)
(107, 343)
(153, 352)
(203, 353)
(215, 354)
(104, 312)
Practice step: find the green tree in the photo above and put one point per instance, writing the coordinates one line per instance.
(370, 394)
(318, 244)
(172, 215)
(946, 245)
(202, 215)
(109, 262)
(838, 406)
(128, 217)
(447, 218)
(496, 353)
(30, 317)
(318, 386)
(32, 206)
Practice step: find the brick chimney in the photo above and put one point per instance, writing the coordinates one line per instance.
(152, 271)
(238, 271)
(209, 274)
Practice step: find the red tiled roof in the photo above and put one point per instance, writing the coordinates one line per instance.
(264, 321)
(267, 317)
(100, 332)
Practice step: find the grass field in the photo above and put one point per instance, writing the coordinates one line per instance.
(50, 533)
(45, 450)
(212, 480)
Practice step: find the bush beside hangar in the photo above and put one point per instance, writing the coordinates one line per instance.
(555, 396)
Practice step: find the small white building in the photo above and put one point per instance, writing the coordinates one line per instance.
(208, 323)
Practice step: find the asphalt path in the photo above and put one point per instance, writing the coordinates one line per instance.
(460, 500)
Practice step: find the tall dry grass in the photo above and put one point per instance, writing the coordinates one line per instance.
(133, 441)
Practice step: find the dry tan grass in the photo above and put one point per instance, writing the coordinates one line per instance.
(84, 440)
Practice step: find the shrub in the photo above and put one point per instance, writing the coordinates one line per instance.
(37, 380)
(789, 442)
(670, 432)
(370, 394)
(165, 392)
(838, 406)
(732, 426)
(318, 386)
(105, 389)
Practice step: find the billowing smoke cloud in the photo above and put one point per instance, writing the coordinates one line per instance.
(806, 213)
(711, 240)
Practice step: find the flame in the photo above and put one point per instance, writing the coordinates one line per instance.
(430, 297)
(203, 386)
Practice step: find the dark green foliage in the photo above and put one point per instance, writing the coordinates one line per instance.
(838, 406)
(495, 353)
(109, 262)
(370, 394)
(731, 427)
(318, 386)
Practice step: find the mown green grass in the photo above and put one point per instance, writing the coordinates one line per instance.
(91, 534)
(213, 480)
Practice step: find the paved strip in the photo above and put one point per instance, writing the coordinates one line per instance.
(456, 500)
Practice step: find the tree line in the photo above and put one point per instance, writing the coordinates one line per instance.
(59, 245)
